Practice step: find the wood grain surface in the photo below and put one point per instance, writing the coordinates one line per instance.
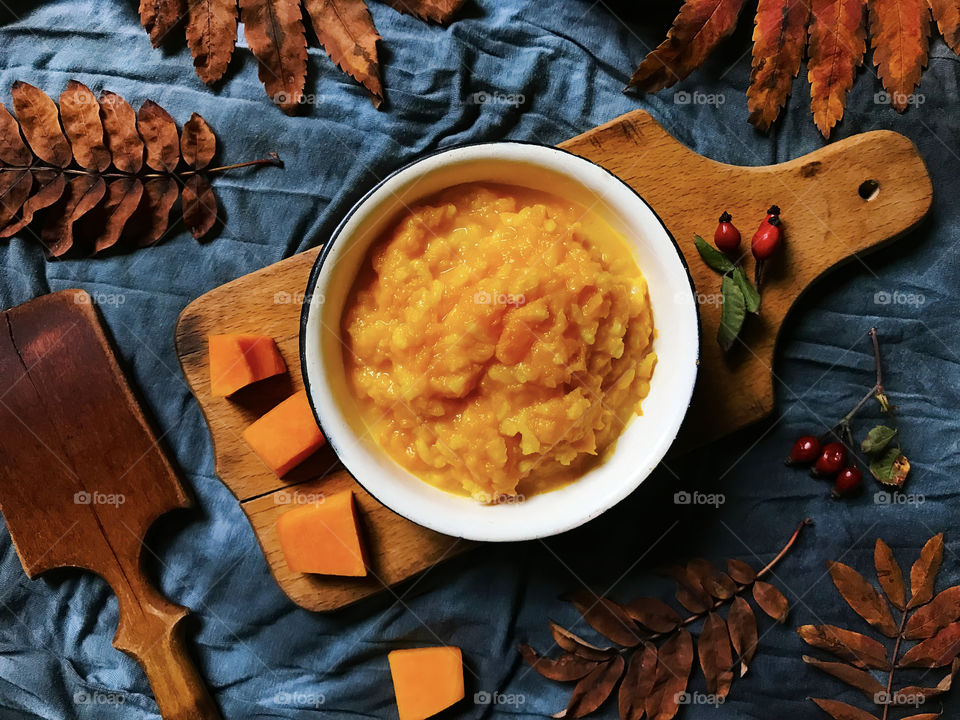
(83, 478)
(827, 221)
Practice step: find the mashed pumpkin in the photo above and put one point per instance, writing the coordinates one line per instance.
(498, 340)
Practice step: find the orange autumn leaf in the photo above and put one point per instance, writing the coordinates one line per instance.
(779, 38)
(347, 33)
(899, 36)
(837, 46)
(699, 27)
(947, 15)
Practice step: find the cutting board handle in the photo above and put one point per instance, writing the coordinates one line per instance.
(151, 631)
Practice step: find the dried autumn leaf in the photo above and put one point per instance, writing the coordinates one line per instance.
(575, 644)
(937, 651)
(40, 122)
(889, 575)
(80, 114)
(847, 645)
(771, 601)
(638, 683)
(947, 15)
(122, 200)
(653, 614)
(837, 46)
(675, 661)
(160, 137)
(719, 585)
(860, 679)
(82, 195)
(439, 11)
(923, 574)
(199, 205)
(13, 151)
(716, 656)
(211, 35)
(742, 624)
(158, 17)
(842, 711)
(606, 617)
(899, 35)
(740, 571)
(153, 216)
(779, 39)
(690, 593)
(563, 669)
(935, 615)
(699, 27)
(198, 144)
(347, 33)
(862, 597)
(14, 190)
(120, 132)
(50, 186)
(593, 690)
(909, 695)
(274, 32)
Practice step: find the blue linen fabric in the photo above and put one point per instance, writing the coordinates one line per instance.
(545, 72)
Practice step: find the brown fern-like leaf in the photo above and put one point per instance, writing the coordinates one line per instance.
(842, 711)
(779, 39)
(49, 186)
(934, 652)
(14, 190)
(199, 205)
(438, 11)
(837, 46)
(13, 151)
(159, 17)
(80, 115)
(923, 574)
(606, 617)
(847, 645)
(347, 33)
(900, 36)
(889, 575)
(575, 644)
(638, 683)
(855, 677)
(82, 195)
(160, 137)
(742, 623)
(675, 661)
(653, 614)
(563, 669)
(716, 655)
(946, 13)
(152, 218)
(593, 690)
(935, 615)
(198, 144)
(698, 28)
(40, 122)
(274, 32)
(120, 132)
(211, 36)
(773, 602)
(863, 598)
(121, 201)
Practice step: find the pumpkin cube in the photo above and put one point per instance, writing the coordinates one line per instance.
(287, 435)
(239, 360)
(426, 680)
(323, 538)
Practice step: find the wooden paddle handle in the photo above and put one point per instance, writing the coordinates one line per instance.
(151, 631)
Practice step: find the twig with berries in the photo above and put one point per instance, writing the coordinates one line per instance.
(738, 294)
(831, 455)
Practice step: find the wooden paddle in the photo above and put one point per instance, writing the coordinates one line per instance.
(83, 478)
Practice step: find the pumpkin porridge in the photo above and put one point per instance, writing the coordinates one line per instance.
(498, 339)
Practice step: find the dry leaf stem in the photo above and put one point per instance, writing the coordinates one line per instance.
(896, 645)
(806, 522)
(272, 159)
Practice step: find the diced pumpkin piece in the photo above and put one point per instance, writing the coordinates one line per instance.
(426, 680)
(238, 360)
(285, 436)
(323, 538)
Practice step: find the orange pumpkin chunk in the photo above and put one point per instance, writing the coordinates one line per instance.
(238, 360)
(322, 537)
(426, 680)
(287, 435)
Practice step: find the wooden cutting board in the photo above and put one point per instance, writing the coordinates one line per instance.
(836, 203)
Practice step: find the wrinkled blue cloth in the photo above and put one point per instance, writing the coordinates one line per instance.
(545, 71)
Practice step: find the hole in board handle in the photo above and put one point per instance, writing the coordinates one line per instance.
(869, 189)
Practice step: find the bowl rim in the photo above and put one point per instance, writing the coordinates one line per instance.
(336, 234)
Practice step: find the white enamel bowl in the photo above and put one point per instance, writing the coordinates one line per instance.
(645, 440)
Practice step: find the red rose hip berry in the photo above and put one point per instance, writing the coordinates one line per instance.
(727, 237)
(847, 482)
(833, 458)
(804, 451)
